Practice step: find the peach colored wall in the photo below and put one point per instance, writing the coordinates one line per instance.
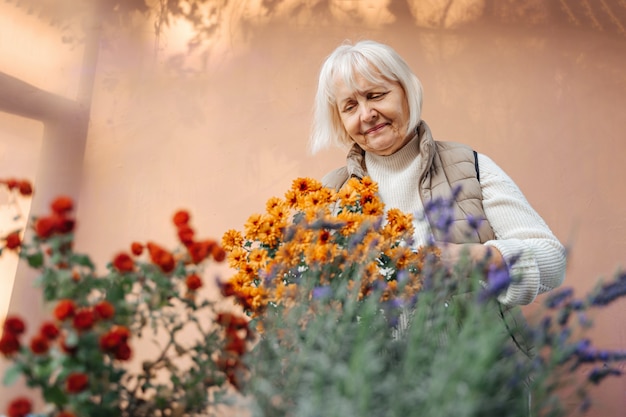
(222, 132)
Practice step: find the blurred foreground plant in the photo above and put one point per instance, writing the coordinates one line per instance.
(332, 294)
(80, 358)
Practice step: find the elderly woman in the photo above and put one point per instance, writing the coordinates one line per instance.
(368, 98)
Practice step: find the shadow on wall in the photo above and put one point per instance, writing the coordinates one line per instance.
(210, 25)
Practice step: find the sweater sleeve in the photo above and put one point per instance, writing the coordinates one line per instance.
(534, 256)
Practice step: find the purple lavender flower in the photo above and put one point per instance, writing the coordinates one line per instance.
(498, 280)
(322, 292)
(598, 374)
(558, 297)
(474, 222)
(609, 293)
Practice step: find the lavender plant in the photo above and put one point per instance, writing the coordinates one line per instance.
(336, 353)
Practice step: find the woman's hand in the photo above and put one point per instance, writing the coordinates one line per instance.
(476, 253)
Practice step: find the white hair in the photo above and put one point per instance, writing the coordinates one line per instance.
(373, 61)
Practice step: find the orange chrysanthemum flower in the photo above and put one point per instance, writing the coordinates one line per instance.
(232, 239)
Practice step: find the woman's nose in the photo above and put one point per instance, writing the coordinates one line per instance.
(368, 113)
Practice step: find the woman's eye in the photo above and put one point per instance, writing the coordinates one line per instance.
(374, 96)
(348, 107)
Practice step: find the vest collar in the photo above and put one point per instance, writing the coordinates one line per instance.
(355, 160)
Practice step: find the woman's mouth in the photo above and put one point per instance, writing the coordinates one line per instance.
(375, 128)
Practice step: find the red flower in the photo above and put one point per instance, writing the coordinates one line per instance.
(63, 224)
(136, 248)
(104, 310)
(114, 338)
(123, 262)
(14, 325)
(181, 218)
(161, 257)
(70, 350)
(13, 240)
(64, 309)
(199, 251)
(76, 382)
(25, 188)
(62, 205)
(218, 253)
(39, 344)
(9, 344)
(193, 282)
(227, 288)
(115, 341)
(19, 407)
(45, 227)
(49, 330)
(110, 341)
(12, 183)
(232, 321)
(123, 352)
(235, 344)
(185, 235)
(84, 319)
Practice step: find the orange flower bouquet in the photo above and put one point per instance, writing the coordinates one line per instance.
(81, 357)
(335, 239)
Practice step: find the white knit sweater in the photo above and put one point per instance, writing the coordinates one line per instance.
(519, 230)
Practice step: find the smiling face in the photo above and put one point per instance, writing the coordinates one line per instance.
(375, 114)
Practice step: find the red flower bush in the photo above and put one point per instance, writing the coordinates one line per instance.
(19, 407)
(95, 316)
(76, 382)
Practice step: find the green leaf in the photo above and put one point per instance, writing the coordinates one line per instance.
(12, 374)
(35, 260)
(82, 260)
(54, 395)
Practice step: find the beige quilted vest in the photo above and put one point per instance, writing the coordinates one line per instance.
(447, 165)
